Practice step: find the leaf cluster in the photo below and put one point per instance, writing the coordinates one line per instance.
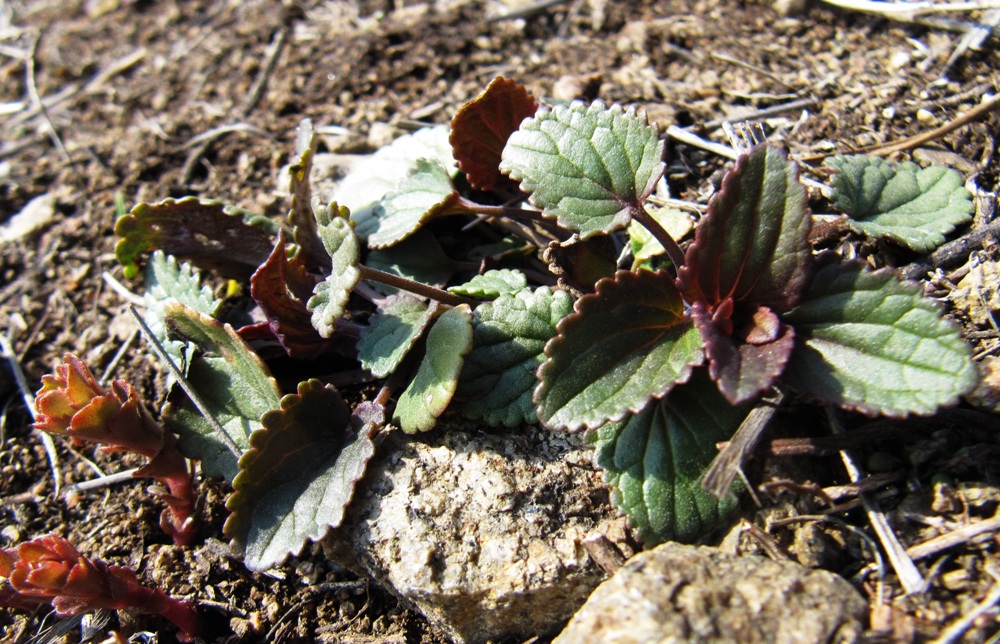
(491, 286)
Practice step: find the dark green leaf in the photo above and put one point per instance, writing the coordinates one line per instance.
(299, 475)
(654, 460)
(232, 381)
(626, 344)
(508, 339)
(867, 341)
(913, 206)
(419, 258)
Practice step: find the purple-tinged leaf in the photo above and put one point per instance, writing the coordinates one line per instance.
(626, 344)
(482, 126)
(746, 361)
(753, 244)
(277, 287)
(209, 233)
(301, 217)
(299, 475)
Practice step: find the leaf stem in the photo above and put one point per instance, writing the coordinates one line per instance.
(656, 230)
(426, 290)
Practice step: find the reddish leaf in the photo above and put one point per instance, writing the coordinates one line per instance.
(753, 245)
(276, 286)
(746, 353)
(482, 126)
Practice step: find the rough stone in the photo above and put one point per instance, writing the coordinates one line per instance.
(676, 593)
(482, 532)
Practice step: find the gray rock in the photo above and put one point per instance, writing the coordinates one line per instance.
(678, 593)
(481, 532)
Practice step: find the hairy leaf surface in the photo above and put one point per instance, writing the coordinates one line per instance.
(654, 460)
(330, 295)
(426, 193)
(508, 340)
(434, 385)
(230, 379)
(166, 281)
(418, 257)
(391, 332)
(587, 166)
(912, 206)
(482, 126)
(753, 244)
(867, 341)
(209, 233)
(626, 344)
(493, 284)
(299, 475)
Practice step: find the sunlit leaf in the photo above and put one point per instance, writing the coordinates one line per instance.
(230, 379)
(587, 166)
(434, 385)
(653, 462)
(375, 176)
(867, 341)
(426, 193)
(298, 477)
(391, 332)
(508, 339)
(300, 216)
(330, 295)
(167, 281)
(677, 223)
(482, 126)
(209, 233)
(753, 244)
(492, 284)
(912, 206)
(626, 344)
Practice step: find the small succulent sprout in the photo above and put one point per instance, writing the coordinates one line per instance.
(49, 570)
(72, 403)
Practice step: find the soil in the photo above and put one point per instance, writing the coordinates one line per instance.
(131, 86)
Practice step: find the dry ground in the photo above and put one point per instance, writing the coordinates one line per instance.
(130, 86)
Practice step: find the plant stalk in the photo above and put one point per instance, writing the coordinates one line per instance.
(395, 281)
(672, 248)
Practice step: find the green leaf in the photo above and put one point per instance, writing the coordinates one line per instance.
(418, 257)
(426, 193)
(437, 377)
(677, 223)
(654, 460)
(493, 284)
(508, 339)
(626, 344)
(209, 233)
(867, 341)
(297, 479)
(378, 174)
(587, 166)
(482, 126)
(166, 281)
(391, 332)
(230, 379)
(912, 206)
(330, 295)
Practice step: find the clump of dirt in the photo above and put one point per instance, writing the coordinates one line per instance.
(108, 101)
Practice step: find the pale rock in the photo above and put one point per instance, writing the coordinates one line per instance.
(482, 532)
(676, 593)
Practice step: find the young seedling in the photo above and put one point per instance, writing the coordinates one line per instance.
(71, 403)
(49, 570)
